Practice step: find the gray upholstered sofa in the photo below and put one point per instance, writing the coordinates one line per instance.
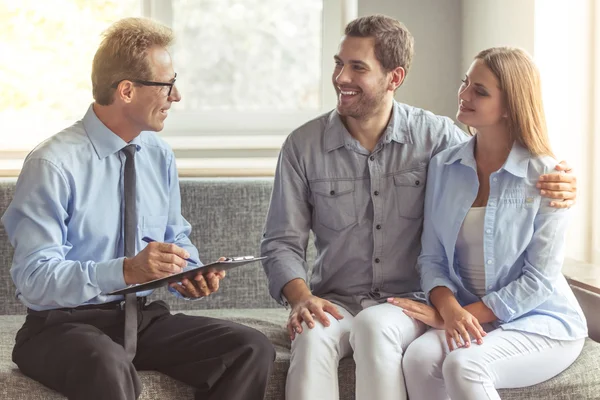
(228, 215)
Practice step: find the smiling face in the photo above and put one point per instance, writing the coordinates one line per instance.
(150, 104)
(480, 100)
(363, 88)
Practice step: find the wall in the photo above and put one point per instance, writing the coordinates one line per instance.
(489, 23)
(434, 76)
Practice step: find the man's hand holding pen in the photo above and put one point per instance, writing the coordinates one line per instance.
(158, 260)
(155, 261)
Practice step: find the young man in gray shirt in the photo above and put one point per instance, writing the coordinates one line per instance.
(356, 178)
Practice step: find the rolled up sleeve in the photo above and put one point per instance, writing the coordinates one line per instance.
(542, 267)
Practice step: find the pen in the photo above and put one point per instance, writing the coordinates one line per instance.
(150, 240)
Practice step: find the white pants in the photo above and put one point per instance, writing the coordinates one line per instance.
(506, 359)
(378, 335)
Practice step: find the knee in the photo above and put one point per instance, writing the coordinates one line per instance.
(104, 365)
(318, 340)
(109, 360)
(259, 346)
(460, 366)
(371, 329)
(420, 358)
(366, 324)
(263, 348)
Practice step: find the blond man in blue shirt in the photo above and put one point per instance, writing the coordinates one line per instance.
(68, 223)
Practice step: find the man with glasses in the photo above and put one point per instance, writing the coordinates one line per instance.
(84, 200)
(150, 83)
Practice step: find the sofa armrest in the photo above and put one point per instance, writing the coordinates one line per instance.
(590, 303)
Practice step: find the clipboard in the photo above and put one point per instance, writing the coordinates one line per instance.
(229, 263)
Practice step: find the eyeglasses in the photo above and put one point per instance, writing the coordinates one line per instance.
(149, 83)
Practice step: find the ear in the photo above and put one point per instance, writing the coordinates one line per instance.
(125, 91)
(397, 75)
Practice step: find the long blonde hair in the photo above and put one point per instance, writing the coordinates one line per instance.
(519, 81)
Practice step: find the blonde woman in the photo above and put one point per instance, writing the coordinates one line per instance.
(493, 248)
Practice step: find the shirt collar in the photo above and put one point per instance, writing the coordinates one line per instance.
(336, 134)
(104, 141)
(516, 163)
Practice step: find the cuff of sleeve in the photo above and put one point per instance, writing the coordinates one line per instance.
(180, 296)
(495, 303)
(281, 278)
(109, 275)
(436, 282)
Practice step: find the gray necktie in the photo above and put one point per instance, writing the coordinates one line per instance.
(130, 221)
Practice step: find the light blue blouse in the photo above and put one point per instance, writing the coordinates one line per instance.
(524, 242)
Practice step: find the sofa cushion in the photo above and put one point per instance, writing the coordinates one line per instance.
(580, 381)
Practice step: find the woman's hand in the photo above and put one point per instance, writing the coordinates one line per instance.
(460, 326)
(419, 311)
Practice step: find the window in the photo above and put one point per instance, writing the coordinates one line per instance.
(267, 54)
(47, 48)
(568, 59)
(250, 71)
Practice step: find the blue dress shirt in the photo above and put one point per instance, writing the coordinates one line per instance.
(524, 242)
(66, 218)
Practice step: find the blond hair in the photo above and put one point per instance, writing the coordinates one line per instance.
(519, 81)
(122, 54)
(394, 44)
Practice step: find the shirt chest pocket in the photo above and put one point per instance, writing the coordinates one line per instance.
(154, 227)
(409, 193)
(520, 198)
(334, 203)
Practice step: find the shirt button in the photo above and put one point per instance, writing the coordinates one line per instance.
(489, 262)
(332, 192)
(491, 203)
(490, 287)
(488, 231)
(378, 227)
(376, 290)
(376, 193)
(417, 183)
(495, 179)
(377, 260)
(372, 158)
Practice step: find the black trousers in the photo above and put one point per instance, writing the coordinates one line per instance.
(79, 353)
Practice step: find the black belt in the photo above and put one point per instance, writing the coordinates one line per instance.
(113, 305)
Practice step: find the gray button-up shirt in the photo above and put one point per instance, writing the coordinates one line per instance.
(364, 208)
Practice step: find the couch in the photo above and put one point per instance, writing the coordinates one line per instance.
(228, 216)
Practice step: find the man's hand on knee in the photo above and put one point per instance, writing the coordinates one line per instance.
(307, 309)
